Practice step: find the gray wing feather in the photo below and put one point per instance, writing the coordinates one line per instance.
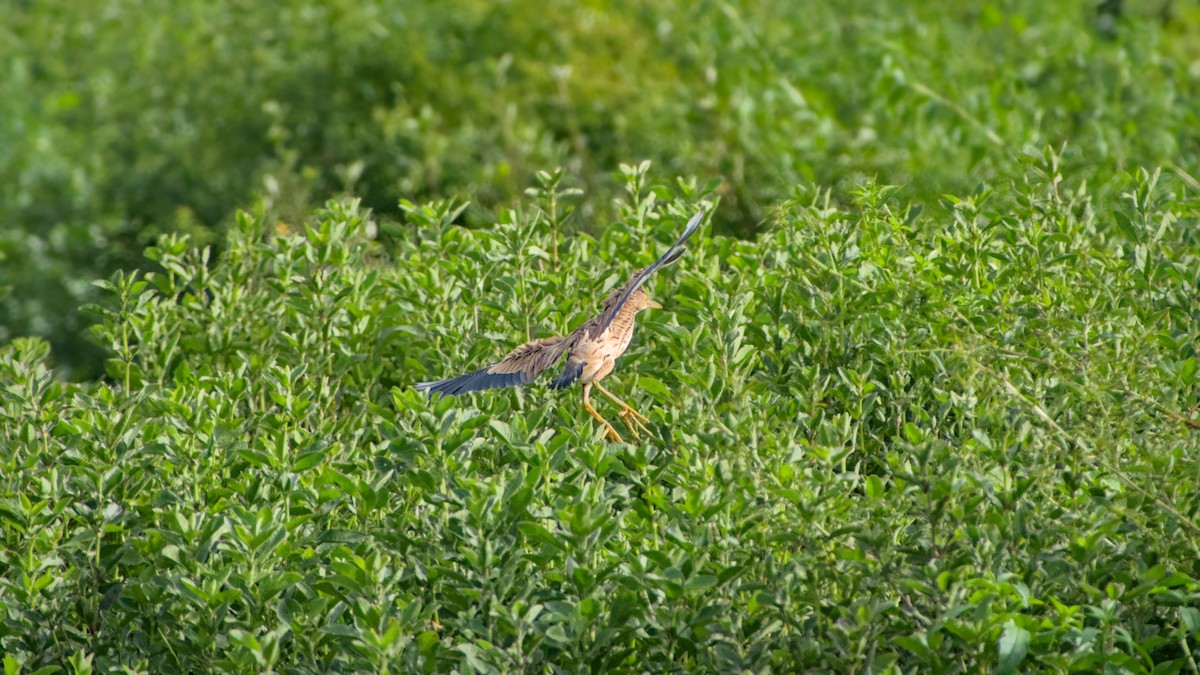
(520, 367)
(641, 275)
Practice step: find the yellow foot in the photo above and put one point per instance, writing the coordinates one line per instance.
(635, 414)
(629, 425)
(610, 434)
(632, 417)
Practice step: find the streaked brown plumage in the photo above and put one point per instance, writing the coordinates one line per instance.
(591, 349)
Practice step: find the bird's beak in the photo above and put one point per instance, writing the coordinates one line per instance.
(653, 305)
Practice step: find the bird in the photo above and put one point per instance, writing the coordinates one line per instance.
(590, 351)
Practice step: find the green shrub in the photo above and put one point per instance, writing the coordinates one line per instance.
(119, 125)
(888, 438)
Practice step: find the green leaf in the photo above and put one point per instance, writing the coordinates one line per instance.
(538, 533)
(1190, 616)
(1014, 645)
(427, 643)
(700, 582)
(505, 431)
(1126, 225)
(874, 487)
(915, 646)
(1187, 371)
(520, 500)
(652, 386)
(339, 629)
(81, 663)
(589, 607)
(308, 460)
(64, 428)
(558, 634)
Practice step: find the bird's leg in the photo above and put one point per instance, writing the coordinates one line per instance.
(621, 403)
(610, 433)
(627, 412)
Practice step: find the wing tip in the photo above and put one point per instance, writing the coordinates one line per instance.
(429, 388)
(480, 380)
(692, 226)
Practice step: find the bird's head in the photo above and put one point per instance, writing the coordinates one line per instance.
(642, 298)
(638, 300)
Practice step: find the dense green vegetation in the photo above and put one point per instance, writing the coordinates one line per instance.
(924, 387)
(119, 124)
(885, 439)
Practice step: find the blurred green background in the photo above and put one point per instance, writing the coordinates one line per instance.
(121, 120)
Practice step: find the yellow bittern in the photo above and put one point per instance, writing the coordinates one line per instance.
(591, 350)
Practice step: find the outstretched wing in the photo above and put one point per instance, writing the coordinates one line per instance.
(639, 277)
(520, 367)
